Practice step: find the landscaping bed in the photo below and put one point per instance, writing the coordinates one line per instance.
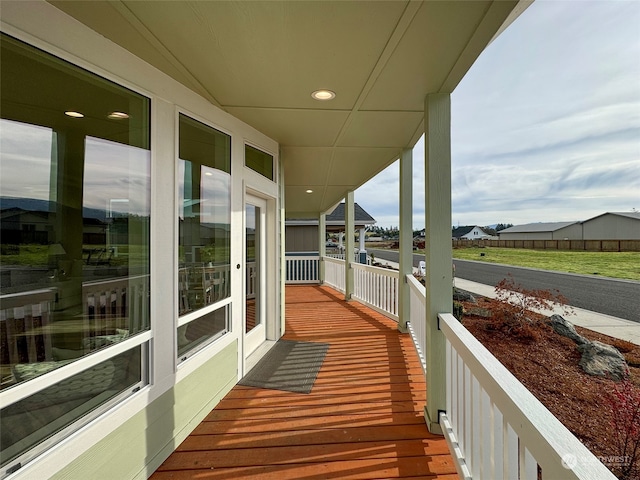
(547, 364)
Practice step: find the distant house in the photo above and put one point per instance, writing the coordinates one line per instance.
(612, 226)
(25, 226)
(470, 232)
(301, 235)
(543, 231)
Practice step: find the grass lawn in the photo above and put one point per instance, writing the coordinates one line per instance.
(608, 264)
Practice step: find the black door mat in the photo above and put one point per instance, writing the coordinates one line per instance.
(290, 366)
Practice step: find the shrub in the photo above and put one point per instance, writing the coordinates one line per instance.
(624, 402)
(518, 310)
(517, 302)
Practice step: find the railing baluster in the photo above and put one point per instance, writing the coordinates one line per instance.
(461, 402)
(510, 450)
(528, 465)
(487, 437)
(499, 457)
(476, 429)
(448, 375)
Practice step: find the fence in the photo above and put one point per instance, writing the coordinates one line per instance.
(586, 245)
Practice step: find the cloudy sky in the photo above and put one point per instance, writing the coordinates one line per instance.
(546, 124)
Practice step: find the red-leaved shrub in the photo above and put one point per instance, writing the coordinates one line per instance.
(624, 401)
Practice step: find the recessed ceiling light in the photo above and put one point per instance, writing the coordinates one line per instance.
(118, 116)
(208, 174)
(309, 191)
(323, 95)
(73, 114)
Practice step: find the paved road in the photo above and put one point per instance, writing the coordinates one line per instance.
(619, 298)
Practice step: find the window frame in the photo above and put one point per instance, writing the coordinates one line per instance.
(181, 320)
(25, 389)
(274, 158)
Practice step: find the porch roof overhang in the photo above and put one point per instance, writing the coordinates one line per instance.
(260, 61)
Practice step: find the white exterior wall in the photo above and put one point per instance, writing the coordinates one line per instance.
(475, 234)
(42, 25)
(611, 227)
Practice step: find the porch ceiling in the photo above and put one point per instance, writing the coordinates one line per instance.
(260, 61)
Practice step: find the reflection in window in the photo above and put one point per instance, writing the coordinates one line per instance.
(205, 217)
(38, 417)
(253, 262)
(75, 201)
(202, 330)
(258, 161)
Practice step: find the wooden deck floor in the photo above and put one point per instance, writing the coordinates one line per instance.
(362, 420)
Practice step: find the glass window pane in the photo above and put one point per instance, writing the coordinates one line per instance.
(258, 161)
(203, 330)
(252, 280)
(205, 216)
(75, 202)
(38, 417)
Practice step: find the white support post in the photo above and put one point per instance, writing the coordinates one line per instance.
(349, 244)
(439, 279)
(406, 237)
(361, 248)
(362, 251)
(322, 245)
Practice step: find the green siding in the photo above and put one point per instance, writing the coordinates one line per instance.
(137, 448)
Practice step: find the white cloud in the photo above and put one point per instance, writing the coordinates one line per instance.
(546, 124)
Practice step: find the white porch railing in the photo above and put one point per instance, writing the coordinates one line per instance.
(106, 304)
(418, 318)
(334, 273)
(250, 280)
(302, 269)
(21, 312)
(356, 257)
(377, 288)
(497, 428)
(117, 299)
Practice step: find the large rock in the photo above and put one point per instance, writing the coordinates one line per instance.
(603, 360)
(565, 328)
(463, 296)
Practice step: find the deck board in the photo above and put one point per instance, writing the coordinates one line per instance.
(362, 420)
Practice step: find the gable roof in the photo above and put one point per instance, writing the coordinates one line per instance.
(359, 215)
(537, 227)
(336, 217)
(462, 231)
(633, 215)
